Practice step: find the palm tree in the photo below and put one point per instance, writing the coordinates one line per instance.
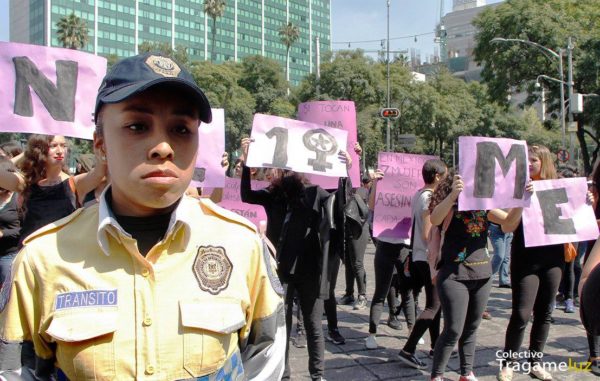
(72, 32)
(214, 9)
(288, 34)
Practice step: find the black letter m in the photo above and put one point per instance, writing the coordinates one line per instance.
(59, 100)
(485, 168)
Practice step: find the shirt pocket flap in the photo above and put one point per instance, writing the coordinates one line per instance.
(80, 326)
(215, 316)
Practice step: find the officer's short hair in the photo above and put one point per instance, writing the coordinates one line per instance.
(431, 168)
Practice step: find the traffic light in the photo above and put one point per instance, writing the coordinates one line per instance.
(391, 113)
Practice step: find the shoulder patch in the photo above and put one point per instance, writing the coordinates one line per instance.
(56, 225)
(212, 269)
(227, 214)
(271, 270)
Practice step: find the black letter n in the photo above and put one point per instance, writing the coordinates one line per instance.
(485, 168)
(59, 100)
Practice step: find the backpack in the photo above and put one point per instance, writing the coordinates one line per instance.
(435, 243)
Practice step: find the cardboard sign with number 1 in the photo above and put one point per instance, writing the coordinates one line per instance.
(299, 146)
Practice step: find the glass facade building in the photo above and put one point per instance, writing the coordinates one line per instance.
(247, 27)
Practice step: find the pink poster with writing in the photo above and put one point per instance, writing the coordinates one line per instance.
(336, 114)
(495, 172)
(48, 90)
(211, 146)
(394, 193)
(232, 201)
(559, 213)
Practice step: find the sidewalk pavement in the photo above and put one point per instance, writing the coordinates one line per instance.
(352, 361)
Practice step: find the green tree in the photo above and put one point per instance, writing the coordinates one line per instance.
(72, 32)
(179, 54)
(263, 77)
(214, 9)
(288, 34)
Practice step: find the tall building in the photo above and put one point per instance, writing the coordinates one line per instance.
(247, 27)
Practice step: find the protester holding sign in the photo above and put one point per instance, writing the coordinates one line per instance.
(464, 275)
(147, 284)
(535, 277)
(589, 287)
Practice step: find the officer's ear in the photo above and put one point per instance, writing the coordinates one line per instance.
(99, 146)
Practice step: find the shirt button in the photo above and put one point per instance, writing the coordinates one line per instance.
(148, 321)
(150, 369)
(145, 273)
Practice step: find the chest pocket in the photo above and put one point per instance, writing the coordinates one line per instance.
(85, 348)
(209, 332)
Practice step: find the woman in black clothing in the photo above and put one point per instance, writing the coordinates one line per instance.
(535, 277)
(589, 306)
(464, 275)
(10, 225)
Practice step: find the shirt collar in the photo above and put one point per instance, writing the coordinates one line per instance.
(108, 224)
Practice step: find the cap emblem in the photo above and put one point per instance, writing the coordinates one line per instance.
(163, 66)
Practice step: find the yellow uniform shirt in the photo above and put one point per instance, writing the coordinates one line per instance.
(204, 303)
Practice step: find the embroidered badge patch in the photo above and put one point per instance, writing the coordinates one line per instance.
(163, 66)
(212, 269)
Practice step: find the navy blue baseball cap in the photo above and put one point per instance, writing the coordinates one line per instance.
(136, 74)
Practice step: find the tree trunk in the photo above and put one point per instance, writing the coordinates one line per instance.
(585, 156)
(214, 36)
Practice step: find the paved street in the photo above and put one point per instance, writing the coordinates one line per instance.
(352, 361)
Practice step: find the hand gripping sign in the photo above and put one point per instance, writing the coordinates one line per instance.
(335, 114)
(211, 145)
(299, 146)
(393, 200)
(559, 213)
(494, 171)
(48, 90)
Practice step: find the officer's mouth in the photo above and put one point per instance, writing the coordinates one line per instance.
(161, 176)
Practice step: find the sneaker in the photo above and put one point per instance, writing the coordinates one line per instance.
(394, 323)
(347, 300)
(335, 337)
(595, 368)
(469, 377)
(569, 306)
(486, 315)
(361, 303)
(411, 360)
(540, 373)
(505, 374)
(438, 378)
(371, 342)
(300, 340)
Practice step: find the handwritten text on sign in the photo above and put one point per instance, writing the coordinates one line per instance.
(211, 145)
(495, 172)
(394, 193)
(559, 213)
(335, 114)
(232, 201)
(299, 146)
(48, 90)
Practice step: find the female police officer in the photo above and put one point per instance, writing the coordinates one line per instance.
(147, 284)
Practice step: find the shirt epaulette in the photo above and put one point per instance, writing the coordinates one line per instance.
(54, 226)
(206, 203)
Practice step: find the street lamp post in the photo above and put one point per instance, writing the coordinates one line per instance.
(551, 54)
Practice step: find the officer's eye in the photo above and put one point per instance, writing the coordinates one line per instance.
(136, 127)
(182, 130)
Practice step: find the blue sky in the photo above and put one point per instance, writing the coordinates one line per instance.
(359, 20)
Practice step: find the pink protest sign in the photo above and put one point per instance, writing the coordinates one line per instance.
(494, 171)
(559, 213)
(48, 90)
(336, 114)
(211, 145)
(232, 201)
(394, 193)
(296, 145)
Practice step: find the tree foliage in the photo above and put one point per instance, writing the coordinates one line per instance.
(288, 34)
(72, 32)
(214, 9)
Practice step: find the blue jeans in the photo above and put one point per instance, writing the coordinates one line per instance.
(5, 266)
(501, 260)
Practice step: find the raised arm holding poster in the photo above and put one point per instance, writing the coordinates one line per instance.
(211, 145)
(559, 213)
(402, 179)
(299, 146)
(48, 90)
(232, 201)
(334, 114)
(494, 171)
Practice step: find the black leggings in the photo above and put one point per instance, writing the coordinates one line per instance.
(567, 285)
(590, 311)
(331, 304)
(430, 317)
(534, 290)
(355, 266)
(386, 259)
(463, 303)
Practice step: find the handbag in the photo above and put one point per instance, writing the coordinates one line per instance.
(356, 213)
(570, 252)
